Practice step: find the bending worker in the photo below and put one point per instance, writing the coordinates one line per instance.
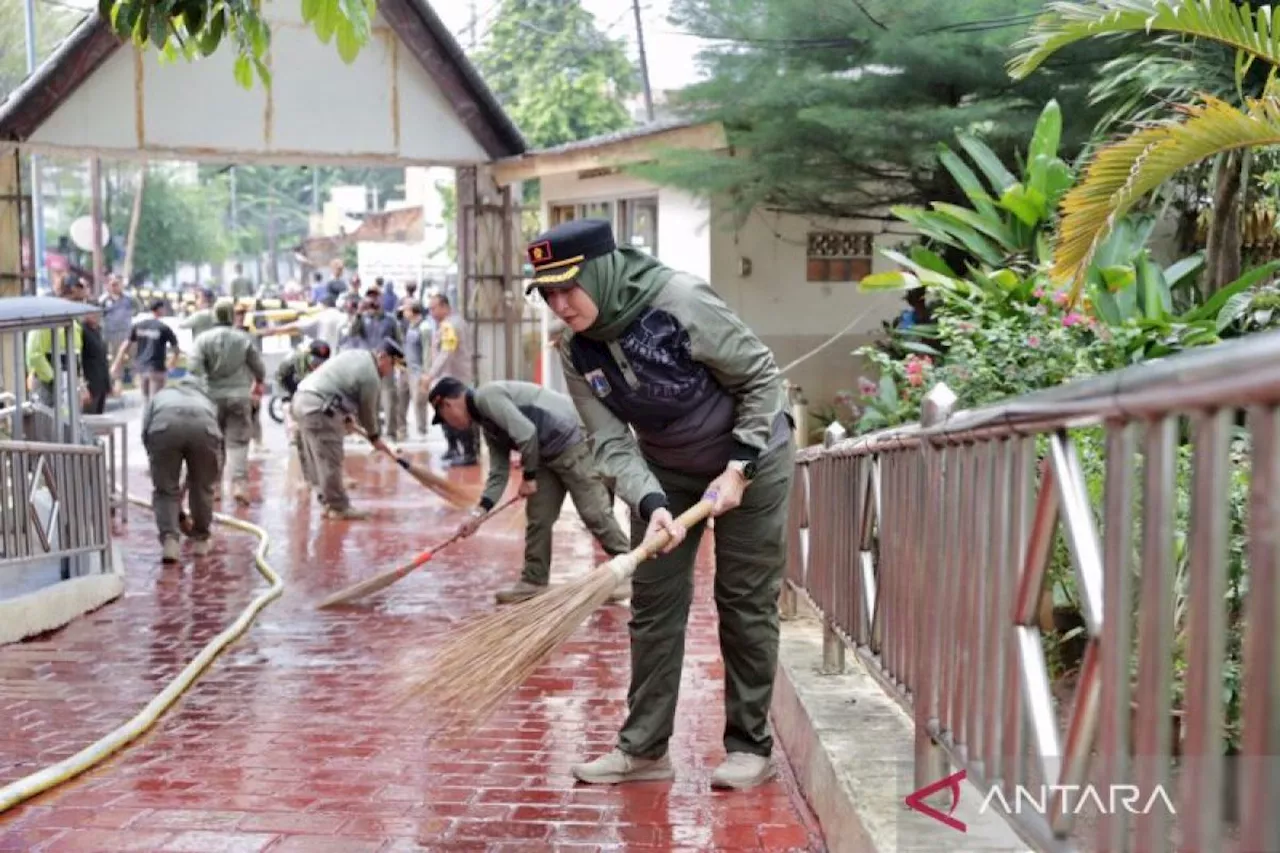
(656, 351)
(180, 426)
(229, 365)
(292, 371)
(347, 386)
(554, 457)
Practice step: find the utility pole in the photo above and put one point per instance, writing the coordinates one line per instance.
(644, 63)
(37, 196)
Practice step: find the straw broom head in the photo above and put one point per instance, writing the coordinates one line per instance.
(480, 664)
(477, 667)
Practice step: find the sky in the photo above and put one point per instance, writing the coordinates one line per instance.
(670, 54)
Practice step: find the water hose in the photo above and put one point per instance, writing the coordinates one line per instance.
(42, 780)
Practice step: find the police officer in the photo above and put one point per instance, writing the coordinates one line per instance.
(554, 456)
(231, 369)
(450, 356)
(346, 386)
(180, 427)
(656, 351)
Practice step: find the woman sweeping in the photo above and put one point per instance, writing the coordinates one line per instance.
(656, 351)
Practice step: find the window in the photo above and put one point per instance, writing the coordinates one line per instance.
(634, 220)
(839, 255)
(639, 223)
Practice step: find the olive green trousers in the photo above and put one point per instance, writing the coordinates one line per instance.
(750, 560)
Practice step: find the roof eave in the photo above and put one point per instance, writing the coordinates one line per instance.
(610, 152)
(77, 57)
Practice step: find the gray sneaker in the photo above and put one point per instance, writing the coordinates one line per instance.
(347, 514)
(742, 770)
(522, 591)
(170, 551)
(616, 767)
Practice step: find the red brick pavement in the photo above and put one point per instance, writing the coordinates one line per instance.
(289, 743)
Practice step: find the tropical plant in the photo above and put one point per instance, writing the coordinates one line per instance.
(1009, 221)
(1121, 174)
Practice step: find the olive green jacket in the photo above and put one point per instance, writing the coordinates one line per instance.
(522, 416)
(225, 360)
(351, 378)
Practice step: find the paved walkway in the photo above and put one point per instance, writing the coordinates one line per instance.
(289, 743)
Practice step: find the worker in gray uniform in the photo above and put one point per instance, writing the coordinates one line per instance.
(180, 427)
(346, 387)
(554, 457)
(228, 364)
(683, 403)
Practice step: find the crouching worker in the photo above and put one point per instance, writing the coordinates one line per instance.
(555, 459)
(349, 385)
(180, 427)
(292, 371)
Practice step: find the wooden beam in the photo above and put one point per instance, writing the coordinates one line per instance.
(11, 208)
(406, 18)
(608, 152)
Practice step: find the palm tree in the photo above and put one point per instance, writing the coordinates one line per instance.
(1205, 126)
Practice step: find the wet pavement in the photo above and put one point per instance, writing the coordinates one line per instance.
(291, 740)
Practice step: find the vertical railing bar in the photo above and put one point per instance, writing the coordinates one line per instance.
(1259, 780)
(1116, 639)
(979, 627)
(949, 564)
(1155, 664)
(995, 609)
(1206, 631)
(1078, 528)
(961, 624)
(1021, 487)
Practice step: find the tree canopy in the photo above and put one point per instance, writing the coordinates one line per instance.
(839, 108)
(180, 223)
(559, 77)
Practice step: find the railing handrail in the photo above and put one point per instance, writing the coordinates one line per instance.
(1233, 374)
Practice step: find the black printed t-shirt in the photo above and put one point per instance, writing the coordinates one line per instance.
(153, 338)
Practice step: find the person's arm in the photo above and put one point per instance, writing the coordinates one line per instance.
(38, 347)
(192, 319)
(616, 450)
(740, 363)
(124, 348)
(254, 360)
(370, 393)
(195, 362)
(499, 472)
(171, 337)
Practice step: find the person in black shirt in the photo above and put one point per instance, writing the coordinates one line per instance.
(153, 339)
(95, 357)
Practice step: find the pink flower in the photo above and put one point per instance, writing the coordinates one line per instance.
(1038, 293)
(1060, 297)
(915, 379)
(866, 387)
(1033, 341)
(1072, 319)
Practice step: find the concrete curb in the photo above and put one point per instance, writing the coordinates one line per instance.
(851, 746)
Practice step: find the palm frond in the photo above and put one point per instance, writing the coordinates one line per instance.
(1122, 173)
(1223, 21)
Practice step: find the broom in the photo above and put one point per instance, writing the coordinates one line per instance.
(459, 496)
(387, 578)
(476, 667)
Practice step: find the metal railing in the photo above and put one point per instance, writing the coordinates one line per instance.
(53, 504)
(926, 549)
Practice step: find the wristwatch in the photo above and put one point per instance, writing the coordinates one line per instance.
(744, 467)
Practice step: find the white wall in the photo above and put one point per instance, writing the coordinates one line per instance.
(791, 315)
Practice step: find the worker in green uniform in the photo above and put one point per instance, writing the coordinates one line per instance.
(297, 367)
(202, 319)
(683, 403)
(554, 457)
(229, 366)
(180, 427)
(347, 386)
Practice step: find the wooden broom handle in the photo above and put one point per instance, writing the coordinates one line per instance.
(691, 516)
